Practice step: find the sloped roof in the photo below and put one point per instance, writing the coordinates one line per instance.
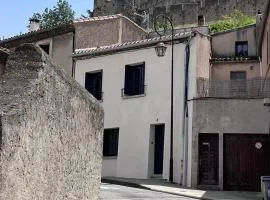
(108, 17)
(26, 68)
(129, 45)
(33, 36)
(234, 29)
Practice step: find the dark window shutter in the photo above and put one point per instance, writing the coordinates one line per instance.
(134, 80)
(141, 79)
(110, 142)
(93, 83)
(128, 80)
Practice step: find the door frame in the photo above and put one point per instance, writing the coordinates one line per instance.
(151, 153)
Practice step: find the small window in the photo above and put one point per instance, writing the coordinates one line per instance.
(45, 47)
(134, 80)
(93, 83)
(238, 75)
(238, 83)
(241, 48)
(110, 142)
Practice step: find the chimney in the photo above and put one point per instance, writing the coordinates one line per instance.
(201, 20)
(34, 24)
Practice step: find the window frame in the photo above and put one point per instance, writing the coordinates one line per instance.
(131, 89)
(242, 43)
(100, 96)
(108, 150)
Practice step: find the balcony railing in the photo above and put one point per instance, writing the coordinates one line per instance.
(250, 88)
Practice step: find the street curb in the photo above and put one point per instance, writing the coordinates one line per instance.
(124, 183)
(136, 185)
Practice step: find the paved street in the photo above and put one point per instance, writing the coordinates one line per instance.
(110, 191)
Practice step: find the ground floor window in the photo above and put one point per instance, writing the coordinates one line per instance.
(110, 142)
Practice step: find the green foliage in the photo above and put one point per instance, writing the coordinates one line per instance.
(61, 13)
(233, 20)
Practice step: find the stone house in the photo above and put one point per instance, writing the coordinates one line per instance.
(50, 131)
(220, 114)
(57, 42)
(133, 86)
(229, 141)
(234, 54)
(60, 42)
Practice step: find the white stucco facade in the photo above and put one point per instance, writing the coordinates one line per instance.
(135, 117)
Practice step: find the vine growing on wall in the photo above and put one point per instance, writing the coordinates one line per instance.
(233, 20)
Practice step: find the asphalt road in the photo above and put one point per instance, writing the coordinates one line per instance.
(111, 192)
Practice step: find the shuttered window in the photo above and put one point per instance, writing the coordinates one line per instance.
(93, 83)
(134, 79)
(110, 142)
(241, 48)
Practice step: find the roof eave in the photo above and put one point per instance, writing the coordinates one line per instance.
(129, 47)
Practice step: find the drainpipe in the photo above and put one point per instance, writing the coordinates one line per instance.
(185, 117)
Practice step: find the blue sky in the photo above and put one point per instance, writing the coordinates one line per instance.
(14, 14)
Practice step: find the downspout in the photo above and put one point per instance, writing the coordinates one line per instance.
(185, 116)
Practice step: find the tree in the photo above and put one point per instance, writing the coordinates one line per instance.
(59, 14)
(233, 20)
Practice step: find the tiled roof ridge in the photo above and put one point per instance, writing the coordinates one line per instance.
(129, 44)
(107, 17)
(21, 35)
(98, 18)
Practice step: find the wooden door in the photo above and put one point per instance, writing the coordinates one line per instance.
(159, 149)
(246, 159)
(208, 159)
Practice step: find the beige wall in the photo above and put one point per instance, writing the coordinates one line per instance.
(62, 49)
(222, 116)
(131, 32)
(221, 71)
(203, 56)
(265, 48)
(224, 44)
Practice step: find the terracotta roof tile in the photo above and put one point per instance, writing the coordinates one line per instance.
(127, 45)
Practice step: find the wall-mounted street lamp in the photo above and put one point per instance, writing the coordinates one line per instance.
(160, 49)
(161, 26)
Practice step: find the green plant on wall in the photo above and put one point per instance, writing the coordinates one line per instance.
(233, 20)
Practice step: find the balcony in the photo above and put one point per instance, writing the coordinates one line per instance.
(233, 89)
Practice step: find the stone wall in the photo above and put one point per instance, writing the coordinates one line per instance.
(182, 11)
(51, 132)
(106, 30)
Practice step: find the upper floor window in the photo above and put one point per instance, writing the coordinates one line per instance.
(241, 48)
(238, 75)
(93, 83)
(110, 142)
(134, 79)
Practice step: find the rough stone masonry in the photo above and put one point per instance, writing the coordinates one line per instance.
(51, 132)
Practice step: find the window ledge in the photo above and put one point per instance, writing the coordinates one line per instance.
(133, 96)
(109, 157)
